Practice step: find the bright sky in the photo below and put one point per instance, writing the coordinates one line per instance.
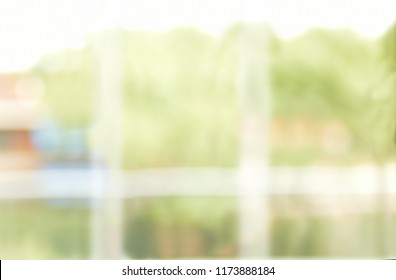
(30, 28)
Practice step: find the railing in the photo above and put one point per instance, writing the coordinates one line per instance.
(359, 180)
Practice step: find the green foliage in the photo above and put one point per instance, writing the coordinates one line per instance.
(338, 76)
(383, 101)
(180, 106)
(180, 100)
(158, 224)
(33, 230)
(67, 78)
(322, 74)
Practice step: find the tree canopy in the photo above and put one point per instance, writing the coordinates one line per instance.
(180, 99)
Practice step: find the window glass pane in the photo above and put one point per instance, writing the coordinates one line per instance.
(181, 227)
(44, 229)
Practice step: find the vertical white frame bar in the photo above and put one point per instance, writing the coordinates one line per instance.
(107, 229)
(253, 167)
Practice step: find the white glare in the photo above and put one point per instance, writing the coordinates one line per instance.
(28, 29)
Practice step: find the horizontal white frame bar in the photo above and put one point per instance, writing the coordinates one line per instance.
(357, 180)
